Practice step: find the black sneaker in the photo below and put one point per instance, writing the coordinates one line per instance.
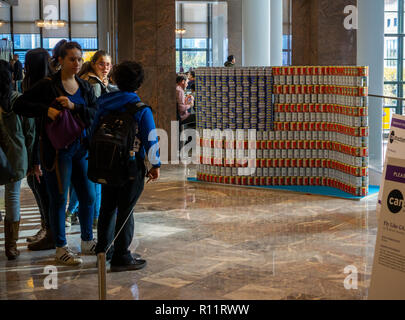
(135, 264)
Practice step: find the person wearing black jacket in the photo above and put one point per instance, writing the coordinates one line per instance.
(65, 90)
(37, 67)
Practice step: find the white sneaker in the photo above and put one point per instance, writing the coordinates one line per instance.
(68, 222)
(89, 247)
(66, 256)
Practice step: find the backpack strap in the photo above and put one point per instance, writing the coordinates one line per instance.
(133, 108)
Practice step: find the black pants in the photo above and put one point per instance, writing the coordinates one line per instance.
(41, 196)
(191, 119)
(116, 205)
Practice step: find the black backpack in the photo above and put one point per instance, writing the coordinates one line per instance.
(110, 161)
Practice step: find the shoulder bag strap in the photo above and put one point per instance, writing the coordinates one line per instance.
(134, 108)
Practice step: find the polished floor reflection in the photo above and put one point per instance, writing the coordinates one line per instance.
(215, 242)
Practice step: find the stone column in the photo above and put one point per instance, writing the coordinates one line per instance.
(235, 30)
(319, 35)
(256, 32)
(146, 34)
(370, 41)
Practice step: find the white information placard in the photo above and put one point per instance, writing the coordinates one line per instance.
(395, 149)
(388, 275)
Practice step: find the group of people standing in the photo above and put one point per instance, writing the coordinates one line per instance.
(51, 87)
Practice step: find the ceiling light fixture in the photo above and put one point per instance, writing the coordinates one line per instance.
(181, 31)
(50, 23)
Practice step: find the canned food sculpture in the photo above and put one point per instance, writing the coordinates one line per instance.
(301, 126)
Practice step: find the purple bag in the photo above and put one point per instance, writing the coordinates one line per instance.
(64, 130)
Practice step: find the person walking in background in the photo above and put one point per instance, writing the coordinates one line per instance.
(230, 62)
(17, 141)
(67, 93)
(37, 66)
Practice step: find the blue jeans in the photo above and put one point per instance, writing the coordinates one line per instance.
(73, 169)
(74, 202)
(97, 206)
(12, 201)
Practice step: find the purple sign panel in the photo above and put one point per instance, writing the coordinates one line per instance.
(396, 174)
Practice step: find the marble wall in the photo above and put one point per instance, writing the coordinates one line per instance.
(146, 34)
(235, 30)
(319, 36)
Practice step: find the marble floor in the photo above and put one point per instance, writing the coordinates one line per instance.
(214, 242)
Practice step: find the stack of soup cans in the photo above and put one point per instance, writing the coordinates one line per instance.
(301, 126)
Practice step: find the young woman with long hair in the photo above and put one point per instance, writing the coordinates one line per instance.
(65, 95)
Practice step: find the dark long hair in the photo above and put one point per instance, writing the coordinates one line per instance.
(86, 68)
(56, 54)
(37, 67)
(5, 87)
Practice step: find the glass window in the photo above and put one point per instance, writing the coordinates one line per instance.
(195, 43)
(391, 28)
(287, 33)
(26, 41)
(195, 12)
(5, 19)
(5, 13)
(205, 42)
(49, 43)
(51, 9)
(84, 10)
(5, 36)
(391, 70)
(391, 48)
(394, 54)
(194, 59)
(87, 43)
(391, 5)
(390, 90)
(84, 30)
(286, 58)
(26, 35)
(26, 11)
